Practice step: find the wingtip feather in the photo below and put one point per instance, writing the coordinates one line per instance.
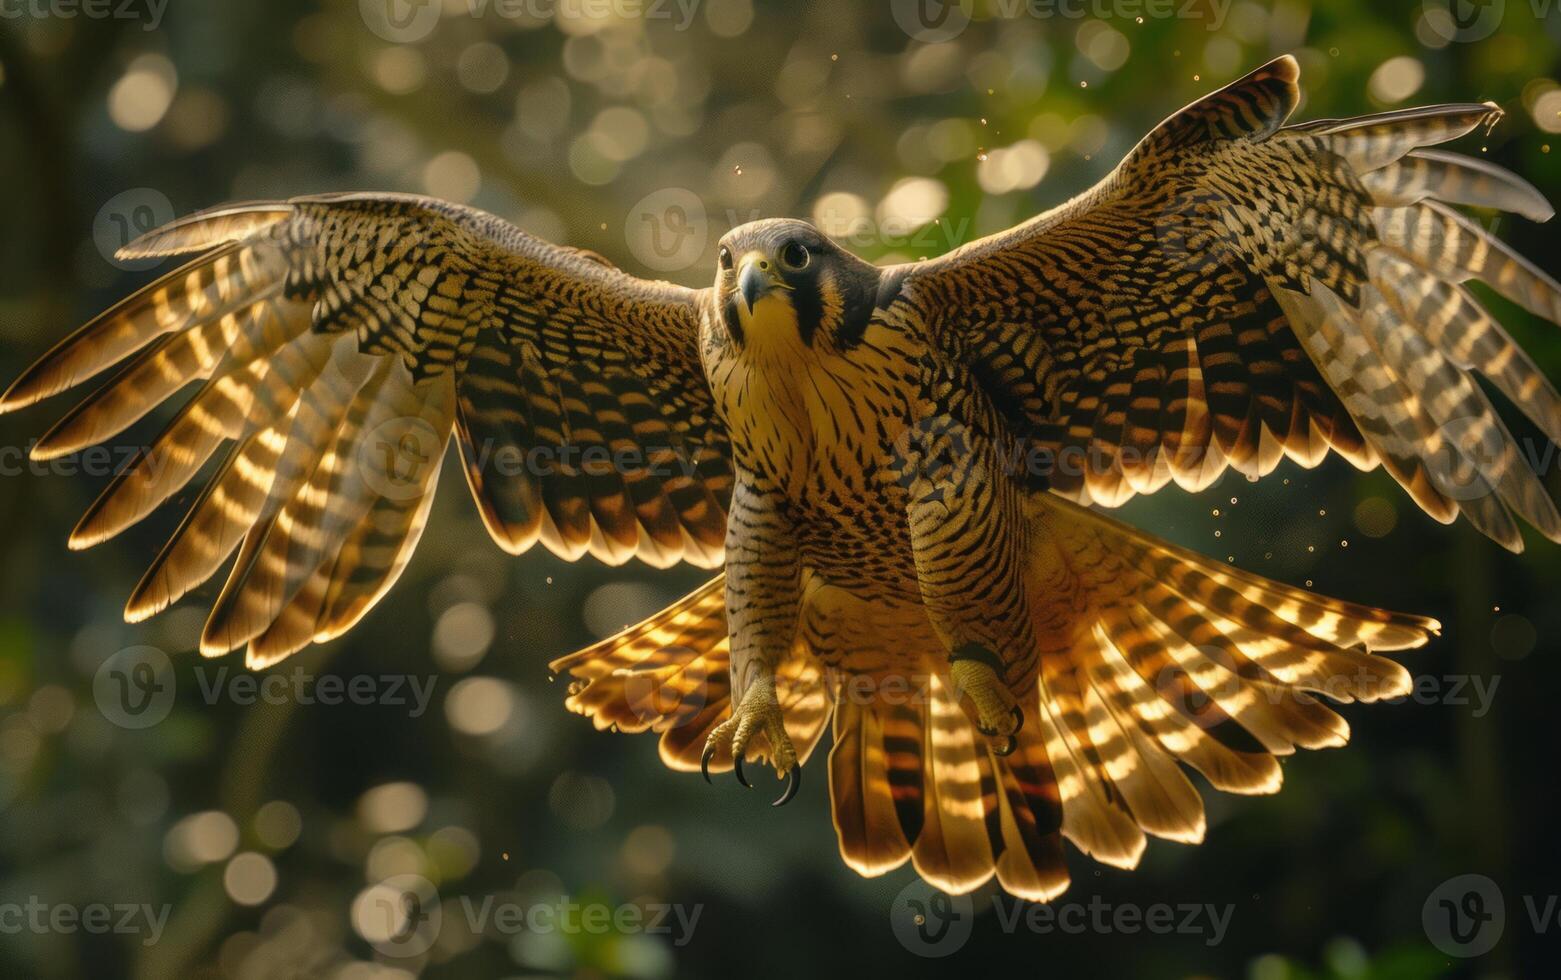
(205, 229)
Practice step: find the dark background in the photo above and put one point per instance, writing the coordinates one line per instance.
(571, 125)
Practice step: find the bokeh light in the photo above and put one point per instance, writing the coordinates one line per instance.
(143, 93)
(479, 705)
(249, 878)
(392, 807)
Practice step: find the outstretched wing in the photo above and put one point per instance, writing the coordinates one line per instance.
(1237, 291)
(339, 342)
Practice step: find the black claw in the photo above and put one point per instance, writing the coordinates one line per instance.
(704, 762)
(737, 766)
(1008, 747)
(1018, 718)
(793, 783)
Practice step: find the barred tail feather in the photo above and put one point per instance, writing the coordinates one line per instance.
(1185, 660)
(871, 831)
(916, 782)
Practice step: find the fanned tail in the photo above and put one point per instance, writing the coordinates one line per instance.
(1182, 660)
(1177, 662)
(1174, 661)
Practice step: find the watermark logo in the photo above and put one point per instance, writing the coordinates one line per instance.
(653, 695)
(135, 688)
(1194, 701)
(400, 916)
(1464, 20)
(667, 230)
(127, 216)
(932, 458)
(931, 21)
(400, 21)
(1464, 916)
(1475, 453)
(929, 922)
(1191, 227)
(398, 455)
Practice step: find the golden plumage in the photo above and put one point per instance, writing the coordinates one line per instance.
(888, 463)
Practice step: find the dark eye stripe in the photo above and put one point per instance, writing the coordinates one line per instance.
(734, 324)
(809, 306)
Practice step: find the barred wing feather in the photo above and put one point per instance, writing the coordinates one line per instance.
(338, 343)
(1238, 291)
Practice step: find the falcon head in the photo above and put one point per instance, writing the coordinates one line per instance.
(783, 283)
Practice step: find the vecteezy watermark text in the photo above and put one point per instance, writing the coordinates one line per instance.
(936, 21)
(149, 12)
(1211, 12)
(1104, 918)
(136, 688)
(94, 918)
(569, 917)
(409, 21)
(93, 461)
(931, 923)
(932, 455)
(298, 686)
(403, 915)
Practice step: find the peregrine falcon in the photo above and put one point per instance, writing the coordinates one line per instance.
(899, 470)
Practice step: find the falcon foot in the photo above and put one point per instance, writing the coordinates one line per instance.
(977, 673)
(759, 712)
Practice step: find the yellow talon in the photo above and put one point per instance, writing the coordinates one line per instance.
(760, 711)
(998, 714)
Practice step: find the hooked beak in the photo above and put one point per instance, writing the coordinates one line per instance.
(755, 278)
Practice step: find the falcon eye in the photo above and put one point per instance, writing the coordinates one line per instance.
(795, 255)
(725, 258)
